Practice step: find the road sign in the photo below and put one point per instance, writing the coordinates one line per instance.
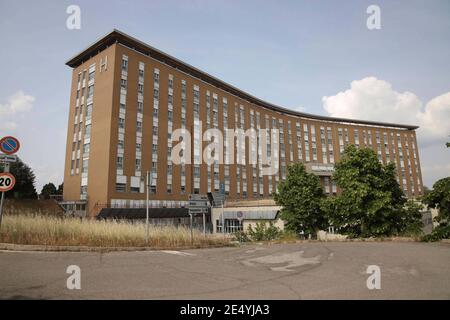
(8, 158)
(240, 215)
(196, 197)
(197, 203)
(7, 181)
(9, 145)
(198, 210)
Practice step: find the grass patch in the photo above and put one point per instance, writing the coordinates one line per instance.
(54, 231)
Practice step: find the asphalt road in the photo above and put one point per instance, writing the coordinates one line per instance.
(284, 271)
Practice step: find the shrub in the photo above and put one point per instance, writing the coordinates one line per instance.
(262, 232)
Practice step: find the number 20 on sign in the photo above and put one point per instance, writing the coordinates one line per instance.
(7, 181)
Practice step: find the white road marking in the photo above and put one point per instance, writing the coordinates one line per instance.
(179, 253)
(291, 260)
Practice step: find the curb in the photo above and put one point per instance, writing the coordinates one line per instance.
(43, 248)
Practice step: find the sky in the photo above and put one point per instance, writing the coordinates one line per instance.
(313, 56)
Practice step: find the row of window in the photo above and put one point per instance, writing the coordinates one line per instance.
(307, 145)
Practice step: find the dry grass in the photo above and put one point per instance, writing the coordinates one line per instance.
(42, 230)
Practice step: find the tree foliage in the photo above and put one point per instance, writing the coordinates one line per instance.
(47, 190)
(300, 197)
(371, 202)
(439, 198)
(25, 181)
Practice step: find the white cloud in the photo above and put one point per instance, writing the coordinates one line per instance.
(18, 103)
(374, 99)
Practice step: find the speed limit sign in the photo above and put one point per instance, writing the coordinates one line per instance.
(7, 181)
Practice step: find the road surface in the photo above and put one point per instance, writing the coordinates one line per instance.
(282, 271)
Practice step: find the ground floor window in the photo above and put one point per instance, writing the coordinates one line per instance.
(231, 226)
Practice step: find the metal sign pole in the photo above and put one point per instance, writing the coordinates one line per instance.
(1, 208)
(192, 233)
(5, 169)
(223, 221)
(146, 221)
(204, 224)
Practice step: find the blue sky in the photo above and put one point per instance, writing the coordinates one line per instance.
(291, 53)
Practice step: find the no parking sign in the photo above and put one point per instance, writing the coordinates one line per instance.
(9, 145)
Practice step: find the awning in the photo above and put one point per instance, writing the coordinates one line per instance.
(140, 213)
(252, 215)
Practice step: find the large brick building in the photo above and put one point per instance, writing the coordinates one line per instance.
(127, 98)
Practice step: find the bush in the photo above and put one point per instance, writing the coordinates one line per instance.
(241, 236)
(440, 232)
(262, 232)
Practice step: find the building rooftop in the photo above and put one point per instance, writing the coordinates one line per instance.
(117, 36)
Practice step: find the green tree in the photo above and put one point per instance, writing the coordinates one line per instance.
(411, 223)
(60, 189)
(439, 198)
(25, 180)
(300, 197)
(47, 190)
(371, 202)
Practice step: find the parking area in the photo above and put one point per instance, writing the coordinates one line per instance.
(322, 270)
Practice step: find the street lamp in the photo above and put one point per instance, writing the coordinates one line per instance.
(149, 182)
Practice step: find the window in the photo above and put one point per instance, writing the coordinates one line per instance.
(87, 132)
(134, 189)
(90, 91)
(85, 166)
(120, 144)
(156, 93)
(124, 65)
(140, 107)
(138, 126)
(138, 147)
(122, 107)
(170, 99)
(91, 75)
(121, 187)
(156, 77)
(138, 164)
(121, 123)
(119, 163)
(170, 83)
(89, 111)
(123, 83)
(86, 147)
(140, 88)
(141, 73)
